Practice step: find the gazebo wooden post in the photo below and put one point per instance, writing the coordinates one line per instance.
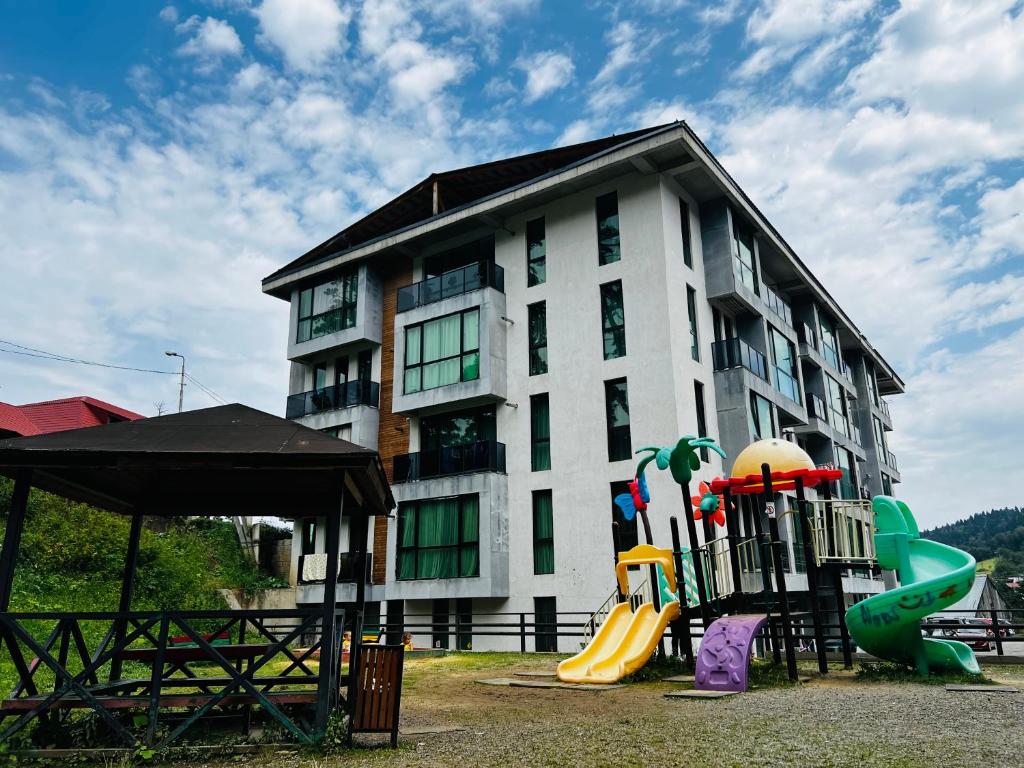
(359, 531)
(12, 535)
(330, 649)
(127, 588)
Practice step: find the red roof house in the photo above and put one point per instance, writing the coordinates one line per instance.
(59, 415)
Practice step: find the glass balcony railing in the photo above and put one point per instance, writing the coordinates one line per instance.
(345, 395)
(778, 305)
(884, 407)
(472, 277)
(816, 408)
(787, 384)
(745, 275)
(482, 456)
(733, 353)
(890, 460)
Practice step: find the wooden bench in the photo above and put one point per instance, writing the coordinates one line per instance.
(141, 702)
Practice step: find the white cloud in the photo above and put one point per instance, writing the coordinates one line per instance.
(307, 33)
(546, 72)
(169, 14)
(794, 21)
(719, 13)
(211, 39)
(577, 131)
(627, 49)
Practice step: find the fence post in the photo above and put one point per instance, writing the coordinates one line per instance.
(996, 631)
(522, 633)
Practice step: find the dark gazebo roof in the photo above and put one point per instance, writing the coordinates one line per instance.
(228, 460)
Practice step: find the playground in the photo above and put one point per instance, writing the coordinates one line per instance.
(449, 718)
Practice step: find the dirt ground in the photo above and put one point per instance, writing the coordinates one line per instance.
(449, 719)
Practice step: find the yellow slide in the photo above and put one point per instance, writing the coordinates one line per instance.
(626, 640)
(621, 646)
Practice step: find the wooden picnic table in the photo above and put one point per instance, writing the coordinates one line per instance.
(182, 654)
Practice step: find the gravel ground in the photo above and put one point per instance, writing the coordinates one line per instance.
(839, 721)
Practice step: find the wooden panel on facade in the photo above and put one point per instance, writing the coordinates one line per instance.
(393, 437)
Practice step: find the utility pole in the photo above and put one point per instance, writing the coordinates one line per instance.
(181, 386)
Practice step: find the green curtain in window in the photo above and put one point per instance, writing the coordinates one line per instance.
(449, 329)
(412, 345)
(471, 330)
(470, 520)
(431, 341)
(540, 427)
(543, 534)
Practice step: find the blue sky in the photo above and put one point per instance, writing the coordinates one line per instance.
(158, 159)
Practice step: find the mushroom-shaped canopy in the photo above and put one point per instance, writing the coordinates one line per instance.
(787, 462)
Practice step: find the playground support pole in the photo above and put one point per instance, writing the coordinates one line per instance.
(766, 579)
(732, 521)
(652, 575)
(804, 521)
(683, 622)
(698, 566)
(780, 575)
(616, 546)
(837, 586)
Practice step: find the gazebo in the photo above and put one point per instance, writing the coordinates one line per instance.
(228, 460)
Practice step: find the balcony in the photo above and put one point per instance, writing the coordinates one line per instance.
(890, 461)
(473, 277)
(346, 395)
(778, 305)
(884, 407)
(816, 408)
(313, 568)
(483, 456)
(734, 353)
(806, 335)
(787, 385)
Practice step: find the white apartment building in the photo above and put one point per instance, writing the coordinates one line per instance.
(507, 335)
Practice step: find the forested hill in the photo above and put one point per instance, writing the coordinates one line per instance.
(984, 534)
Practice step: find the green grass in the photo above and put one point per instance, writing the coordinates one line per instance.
(988, 566)
(884, 672)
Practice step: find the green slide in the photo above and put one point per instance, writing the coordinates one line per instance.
(932, 576)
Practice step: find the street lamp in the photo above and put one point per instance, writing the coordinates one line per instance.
(181, 387)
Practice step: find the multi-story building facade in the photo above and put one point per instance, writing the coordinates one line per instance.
(507, 335)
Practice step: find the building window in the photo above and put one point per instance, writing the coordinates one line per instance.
(442, 351)
(545, 622)
(538, 331)
(543, 533)
(328, 308)
(872, 384)
(613, 320)
(799, 558)
(784, 363)
(625, 533)
(743, 250)
(540, 433)
(761, 425)
(608, 246)
(684, 226)
(464, 617)
(702, 420)
(439, 538)
(691, 312)
(616, 399)
(837, 405)
(880, 449)
(454, 428)
(320, 376)
(886, 485)
(341, 371)
(829, 341)
(848, 482)
(309, 536)
(536, 252)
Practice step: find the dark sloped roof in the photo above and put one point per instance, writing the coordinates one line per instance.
(457, 188)
(227, 460)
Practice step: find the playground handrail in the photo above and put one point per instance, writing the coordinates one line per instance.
(639, 595)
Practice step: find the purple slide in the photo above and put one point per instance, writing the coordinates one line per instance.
(723, 660)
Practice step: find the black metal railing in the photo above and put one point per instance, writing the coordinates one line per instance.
(346, 568)
(890, 460)
(733, 353)
(358, 392)
(482, 456)
(778, 305)
(483, 274)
